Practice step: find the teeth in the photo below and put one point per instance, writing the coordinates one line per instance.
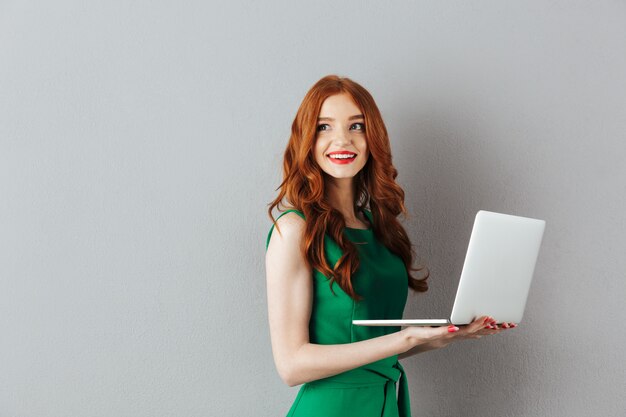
(344, 156)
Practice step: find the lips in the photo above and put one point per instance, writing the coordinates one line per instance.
(342, 160)
(341, 153)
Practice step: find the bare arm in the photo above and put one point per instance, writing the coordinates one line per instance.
(289, 298)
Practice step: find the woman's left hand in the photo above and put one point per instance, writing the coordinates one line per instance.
(482, 326)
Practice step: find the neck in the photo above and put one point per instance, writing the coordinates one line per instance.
(340, 195)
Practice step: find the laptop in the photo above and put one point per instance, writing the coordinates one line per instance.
(496, 275)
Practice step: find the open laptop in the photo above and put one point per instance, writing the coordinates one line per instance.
(496, 275)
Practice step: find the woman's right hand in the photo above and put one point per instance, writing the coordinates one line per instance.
(428, 338)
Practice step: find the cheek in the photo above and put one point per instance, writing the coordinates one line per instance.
(362, 145)
(318, 152)
(365, 152)
(319, 146)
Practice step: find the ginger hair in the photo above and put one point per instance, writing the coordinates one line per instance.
(303, 188)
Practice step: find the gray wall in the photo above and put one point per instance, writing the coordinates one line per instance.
(140, 143)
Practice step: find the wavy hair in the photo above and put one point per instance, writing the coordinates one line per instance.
(303, 187)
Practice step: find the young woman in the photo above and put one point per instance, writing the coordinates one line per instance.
(341, 254)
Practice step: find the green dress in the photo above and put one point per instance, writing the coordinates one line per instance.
(382, 280)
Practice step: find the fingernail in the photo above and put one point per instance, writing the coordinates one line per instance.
(513, 325)
(452, 329)
(486, 320)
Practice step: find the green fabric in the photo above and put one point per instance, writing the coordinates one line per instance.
(382, 280)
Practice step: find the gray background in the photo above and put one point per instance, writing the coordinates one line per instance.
(140, 143)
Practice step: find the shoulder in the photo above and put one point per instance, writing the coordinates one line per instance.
(290, 229)
(291, 216)
(283, 257)
(291, 224)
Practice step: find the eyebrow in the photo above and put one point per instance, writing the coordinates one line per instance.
(356, 116)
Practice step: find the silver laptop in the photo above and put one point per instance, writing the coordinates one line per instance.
(496, 275)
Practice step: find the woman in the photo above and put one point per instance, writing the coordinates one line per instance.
(334, 260)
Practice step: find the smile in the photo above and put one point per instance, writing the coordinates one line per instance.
(342, 159)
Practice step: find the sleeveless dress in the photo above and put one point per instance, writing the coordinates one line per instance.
(382, 281)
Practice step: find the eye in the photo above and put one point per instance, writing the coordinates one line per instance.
(319, 127)
(362, 126)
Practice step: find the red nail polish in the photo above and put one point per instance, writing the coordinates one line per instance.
(452, 329)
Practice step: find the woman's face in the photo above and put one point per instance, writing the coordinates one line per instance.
(340, 131)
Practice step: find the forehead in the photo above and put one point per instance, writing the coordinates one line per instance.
(339, 106)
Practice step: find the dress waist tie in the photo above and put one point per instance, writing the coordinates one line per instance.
(387, 376)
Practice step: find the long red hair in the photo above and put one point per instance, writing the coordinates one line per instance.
(303, 186)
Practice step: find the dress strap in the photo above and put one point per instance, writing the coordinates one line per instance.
(369, 215)
(267, 243)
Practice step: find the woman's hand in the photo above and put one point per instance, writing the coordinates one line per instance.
(482, 326)
(429, 338)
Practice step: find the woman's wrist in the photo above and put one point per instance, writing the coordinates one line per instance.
(417, 348)
(409, 339)
(404, 341)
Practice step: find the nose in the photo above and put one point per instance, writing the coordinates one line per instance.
(342, 137)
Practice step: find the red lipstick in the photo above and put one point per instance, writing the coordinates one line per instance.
(342, 160)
